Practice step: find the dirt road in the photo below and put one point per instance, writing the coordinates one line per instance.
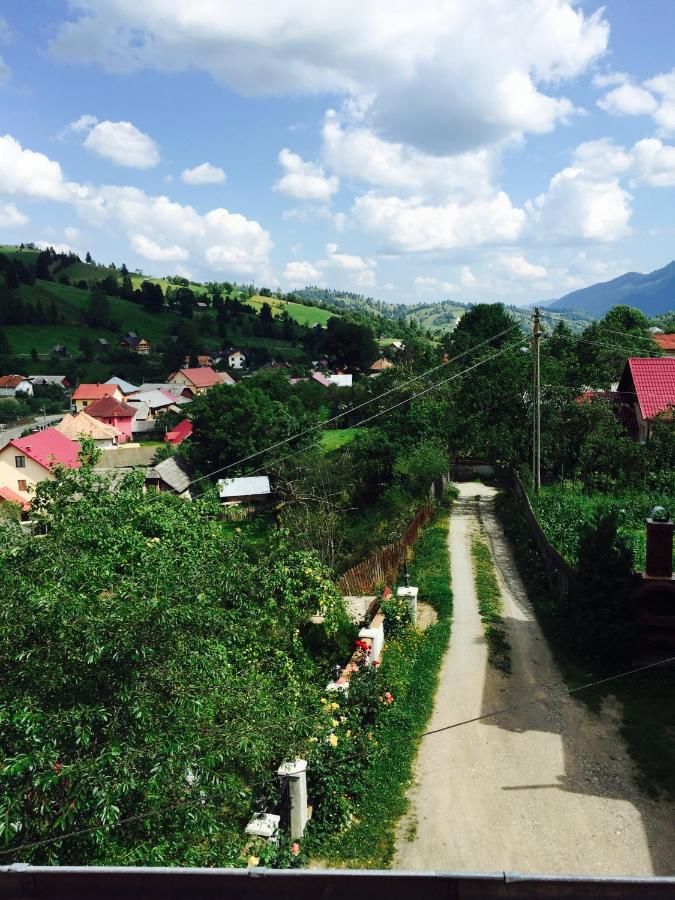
(546, 789)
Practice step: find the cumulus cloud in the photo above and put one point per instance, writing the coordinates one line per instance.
(73, 234)
(420, 77)
(654, 163)
(432, 285)
(60, 248)
(601, 158)
(522, 268)
(123, 144)
(358, 270)
(347, 260)
(149, 249)
(298, 274)
(628, 100)
(664, 86)
(304, 180)
(220, 239)
(203, 174)
(85, 123)
(359, 154)
(409, 224)
(11, 217)
(467, 278)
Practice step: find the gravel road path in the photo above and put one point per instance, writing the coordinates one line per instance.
(545, 789)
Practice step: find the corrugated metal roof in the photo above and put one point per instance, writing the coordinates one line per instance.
(254, 485)
(653, 380)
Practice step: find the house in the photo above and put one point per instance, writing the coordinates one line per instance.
(7, 495)
(114, 412)
(396, 346)
(82, 425)
(381, 365)
(178, 434)
(132, 342)
(126, 458)
(321, 379)
(59, 349)
(102, 343)
(155, 402)
(11, 385)
(666, 342)
(27, 461)
(650, 383)
(340, 379)
(61, 381)
(622, 405)
(251, 489)
(126, 387)
(169, 475)
(236, 359)
(179, 392)
(199, 380)
(204, 361)
(86, 394)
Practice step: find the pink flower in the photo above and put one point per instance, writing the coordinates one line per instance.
(388, 698)
(295, 848)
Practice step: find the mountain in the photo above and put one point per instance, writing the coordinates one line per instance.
(653, 293)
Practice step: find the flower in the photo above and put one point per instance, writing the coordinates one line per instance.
(334, 723)
(332, 740)
(323, 700)
(253, 861)
(57, 767)
(388, 698)
(335, 706)
(295, 848)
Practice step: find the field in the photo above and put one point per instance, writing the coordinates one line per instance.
(338, 437)
(303, 315)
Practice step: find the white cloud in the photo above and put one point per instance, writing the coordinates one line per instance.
(601, 158)
(304, 180)
(408, 225)
(521, 268)
(445, 79)
(85, 123)
(59, 248)
(298, 274)
(72, 234)
(654, 162)
(664, 86)
(148, 249)
(432, 285)
(467, 278)
(219, 239)
(346, 260)
(11, 217)
(579, 206)
(203, 174)
(610, 79)
(628, 100)
(358, 153)
(29, 174)
(123, 144)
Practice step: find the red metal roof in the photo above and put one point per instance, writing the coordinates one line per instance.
(9, 495)
(665, 341)
(653, 382)
(11, 381)
(95, 391)
(109, 408)
(180, 432)
(203, 377)
(49, 448)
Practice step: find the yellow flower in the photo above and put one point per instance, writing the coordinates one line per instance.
(349, 734)
(335, 706)
(333, 740)
(334, 723)
(253, 861)
(323, 700)
(313, 740)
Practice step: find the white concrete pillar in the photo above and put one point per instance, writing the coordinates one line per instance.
(296, 772)
(409, 594)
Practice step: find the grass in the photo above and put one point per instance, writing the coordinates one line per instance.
(647, 698)
(410, 665)
(303, 315)
(337, 438)
(490, 604)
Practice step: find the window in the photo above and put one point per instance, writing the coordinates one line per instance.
(85, 402)
(20, 462)
(22, 485)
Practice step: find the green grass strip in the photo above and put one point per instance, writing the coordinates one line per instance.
(490, 604)
(410, 666)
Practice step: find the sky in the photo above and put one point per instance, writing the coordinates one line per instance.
(475, 150)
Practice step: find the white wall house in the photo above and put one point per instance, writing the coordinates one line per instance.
(236, 359)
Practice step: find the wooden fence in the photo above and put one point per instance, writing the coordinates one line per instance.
(383, 567)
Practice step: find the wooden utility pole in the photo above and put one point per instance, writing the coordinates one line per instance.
(536, 442)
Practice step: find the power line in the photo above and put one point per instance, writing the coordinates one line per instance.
(353, 409)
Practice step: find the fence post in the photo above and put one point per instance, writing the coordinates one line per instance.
(294, 775)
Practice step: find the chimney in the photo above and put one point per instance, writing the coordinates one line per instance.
(659, 544)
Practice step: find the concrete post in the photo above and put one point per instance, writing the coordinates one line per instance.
(296, 773)
(409, 594)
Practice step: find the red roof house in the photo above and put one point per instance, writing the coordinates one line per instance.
(86, 394)
(200, 379)
(7, 495)
(116, 413)
(179, 433)
(666, 342)
(652, 383)
(27, 461)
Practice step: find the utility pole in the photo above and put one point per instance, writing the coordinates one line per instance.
(536, 442)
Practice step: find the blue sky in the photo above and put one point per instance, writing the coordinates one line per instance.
(471, 149)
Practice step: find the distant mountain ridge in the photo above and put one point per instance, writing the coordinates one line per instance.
(653, 293)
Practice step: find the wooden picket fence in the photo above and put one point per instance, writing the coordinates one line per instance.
(383, 567)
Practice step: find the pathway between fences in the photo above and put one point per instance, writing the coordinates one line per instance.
(383, 567)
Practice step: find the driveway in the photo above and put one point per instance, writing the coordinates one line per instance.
(545, 789)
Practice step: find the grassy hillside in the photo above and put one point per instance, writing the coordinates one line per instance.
(303, 315)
